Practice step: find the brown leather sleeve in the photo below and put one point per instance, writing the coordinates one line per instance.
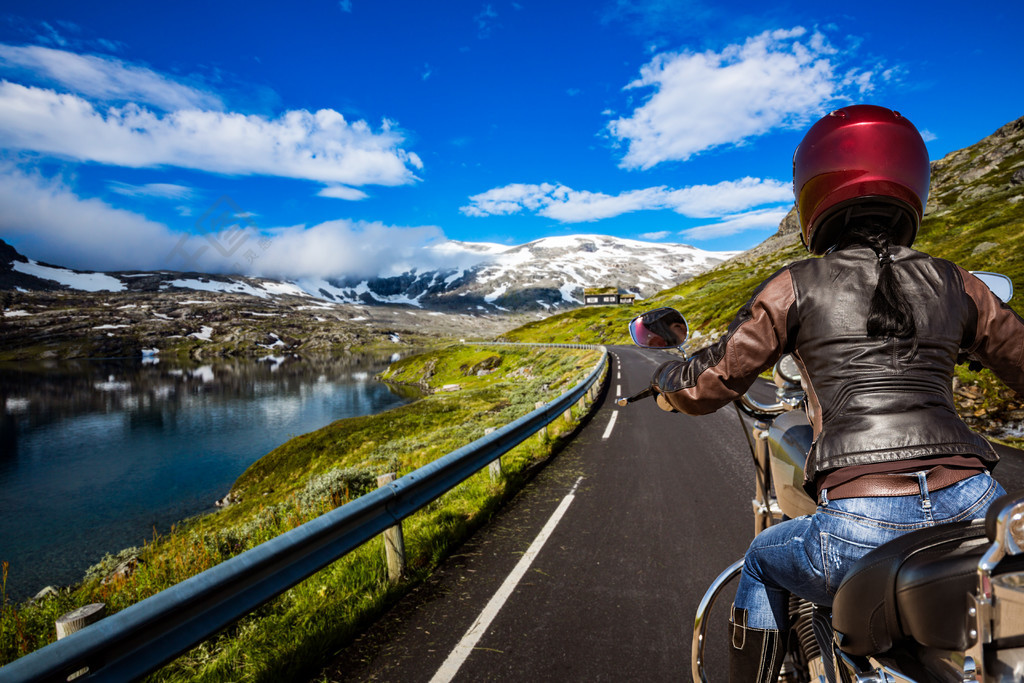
(999, 335)
(722, 372)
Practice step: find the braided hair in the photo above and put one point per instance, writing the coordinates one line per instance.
(890, 314)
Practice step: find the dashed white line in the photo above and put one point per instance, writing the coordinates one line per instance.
(454, 661)
(611, 425)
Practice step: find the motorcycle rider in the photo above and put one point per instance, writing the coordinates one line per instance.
(876, 328)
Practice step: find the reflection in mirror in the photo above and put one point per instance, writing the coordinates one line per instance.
(1000, 285)
(659, 329)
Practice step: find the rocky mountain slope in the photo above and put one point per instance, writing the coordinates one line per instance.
(546, 274)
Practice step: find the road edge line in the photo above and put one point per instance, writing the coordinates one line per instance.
(458, 655)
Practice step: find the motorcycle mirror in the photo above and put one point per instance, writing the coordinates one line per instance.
(661, 328)
(1000, 285)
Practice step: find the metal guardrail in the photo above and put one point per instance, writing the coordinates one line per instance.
(150, 633)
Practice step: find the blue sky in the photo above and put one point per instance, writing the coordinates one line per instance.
(358, 137)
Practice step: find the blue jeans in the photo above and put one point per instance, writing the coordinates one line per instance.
(809, 556)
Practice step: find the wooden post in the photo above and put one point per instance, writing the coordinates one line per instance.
(494, 469)
(543, 431)
(567, 415)
(80, 618)
(76, 620)
(394, 541)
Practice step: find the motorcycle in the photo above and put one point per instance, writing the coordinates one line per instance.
(943, 604)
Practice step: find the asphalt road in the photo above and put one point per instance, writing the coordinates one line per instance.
(650, 512)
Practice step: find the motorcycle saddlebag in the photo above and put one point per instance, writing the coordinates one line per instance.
(915, 586)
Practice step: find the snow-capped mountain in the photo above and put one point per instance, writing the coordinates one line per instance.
(544, 274)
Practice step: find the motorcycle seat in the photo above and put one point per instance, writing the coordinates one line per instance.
(915, 586)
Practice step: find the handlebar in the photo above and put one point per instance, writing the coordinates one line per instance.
(762, 411)
(626, 400)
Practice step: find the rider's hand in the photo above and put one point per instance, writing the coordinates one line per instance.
(664, 404)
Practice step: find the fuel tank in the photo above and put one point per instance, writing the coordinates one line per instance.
(789, 441)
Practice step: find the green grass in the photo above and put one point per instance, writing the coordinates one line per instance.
(292, 635)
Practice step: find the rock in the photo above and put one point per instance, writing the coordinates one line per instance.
(983, 247)
(484, 367)
(227, 500)
(122, 571)
(46, 593)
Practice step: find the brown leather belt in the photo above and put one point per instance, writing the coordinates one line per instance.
(899, 484)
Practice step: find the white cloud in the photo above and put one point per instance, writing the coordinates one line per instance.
(319, 146)
(572, 206)
(655, 236)
(344, 247)
(763, 219)
(342, 192)
(157, 190)
(47, 221)
(778, 79)
(104, 78)
(728, 196)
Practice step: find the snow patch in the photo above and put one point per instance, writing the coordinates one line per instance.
(493, 296)
(204, 334)
(87, 282)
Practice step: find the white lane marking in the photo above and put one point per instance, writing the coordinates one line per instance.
(611, 425)
(618, 390)
(454, 661)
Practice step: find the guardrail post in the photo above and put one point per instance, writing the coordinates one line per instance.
(76, 620)
(494, 468)
(394, 541)
(543, 431)
(80, 618)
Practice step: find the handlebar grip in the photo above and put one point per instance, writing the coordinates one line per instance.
(626, 400)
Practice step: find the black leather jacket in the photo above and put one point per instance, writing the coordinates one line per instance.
(870, 400)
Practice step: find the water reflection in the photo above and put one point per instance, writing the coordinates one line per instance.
(96, 454)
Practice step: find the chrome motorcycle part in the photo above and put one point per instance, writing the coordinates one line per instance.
(700, 622)
(787, 373)
(789, 440)
(997, 604)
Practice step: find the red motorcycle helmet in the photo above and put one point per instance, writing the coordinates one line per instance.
(860, 160)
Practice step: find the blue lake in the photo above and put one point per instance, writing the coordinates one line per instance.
(96, 455)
